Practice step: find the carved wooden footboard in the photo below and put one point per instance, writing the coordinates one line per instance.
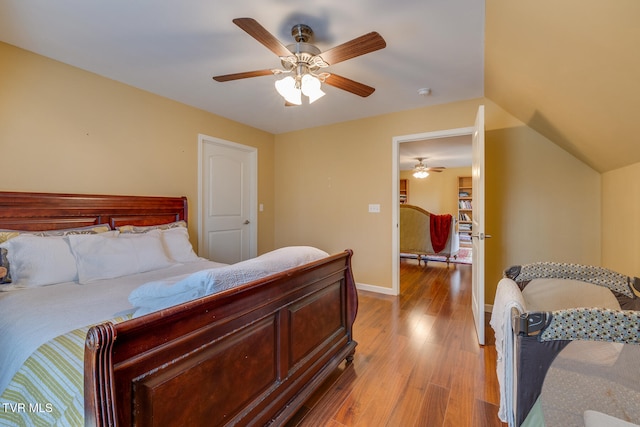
(248, 356)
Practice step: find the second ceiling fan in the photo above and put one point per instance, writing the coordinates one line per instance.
(422, 171)
(303, 62)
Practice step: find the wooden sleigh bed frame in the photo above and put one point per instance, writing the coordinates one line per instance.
(251, 355)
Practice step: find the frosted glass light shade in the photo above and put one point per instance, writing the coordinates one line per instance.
(311, 88)
(287, 89)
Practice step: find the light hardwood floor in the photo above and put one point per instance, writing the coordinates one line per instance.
(417, 362)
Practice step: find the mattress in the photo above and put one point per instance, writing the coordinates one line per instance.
(591, 375)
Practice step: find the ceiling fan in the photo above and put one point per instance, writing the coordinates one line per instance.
(422, 171)
(302, 62)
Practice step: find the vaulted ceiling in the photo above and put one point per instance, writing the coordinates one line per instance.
(569, 69)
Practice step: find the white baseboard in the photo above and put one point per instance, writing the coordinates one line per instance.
(376, 289)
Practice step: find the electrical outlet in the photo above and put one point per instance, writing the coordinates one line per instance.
(374, 208)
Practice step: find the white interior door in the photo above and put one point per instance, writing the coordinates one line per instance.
(478, 231)
(228, 199)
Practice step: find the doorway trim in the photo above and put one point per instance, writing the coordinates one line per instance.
(395, 192)
(253, 196)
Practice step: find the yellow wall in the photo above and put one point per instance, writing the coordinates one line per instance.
(620, 224)
(438, 193)
(67, 130)
(327, 176)
(542, 203)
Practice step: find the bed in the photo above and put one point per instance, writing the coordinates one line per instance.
(249, 354)
(423, 233)
(568, 346)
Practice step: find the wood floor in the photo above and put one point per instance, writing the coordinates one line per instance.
(417, 362)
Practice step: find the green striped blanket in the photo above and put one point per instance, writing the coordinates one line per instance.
(48, 390)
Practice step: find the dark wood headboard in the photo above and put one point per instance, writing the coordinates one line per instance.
(53, 211)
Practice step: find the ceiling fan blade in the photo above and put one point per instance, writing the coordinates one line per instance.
(245, 75)
(435, 169)
(356, 47)
(349, 85)
(258, 32)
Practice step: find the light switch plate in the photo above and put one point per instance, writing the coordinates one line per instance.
(374, 208)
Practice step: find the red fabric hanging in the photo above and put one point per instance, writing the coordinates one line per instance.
(439, 227)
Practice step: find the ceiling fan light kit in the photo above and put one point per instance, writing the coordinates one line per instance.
(421, 170)
(302, 61)
(292, 89)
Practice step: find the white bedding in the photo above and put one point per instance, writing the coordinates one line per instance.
(31, 317)
(154, 296)
(508, 296)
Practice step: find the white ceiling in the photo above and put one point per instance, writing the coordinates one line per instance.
(173, 49)
(448, 152)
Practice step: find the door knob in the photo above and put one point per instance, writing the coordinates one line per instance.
(481, 236)
(246, 221)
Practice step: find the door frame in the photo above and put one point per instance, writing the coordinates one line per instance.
(395, 193)
(253, 192)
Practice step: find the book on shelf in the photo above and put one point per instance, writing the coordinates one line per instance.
(464, 204)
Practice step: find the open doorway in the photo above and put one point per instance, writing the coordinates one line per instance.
(446, 154)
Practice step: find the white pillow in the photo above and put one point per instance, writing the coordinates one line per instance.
(177, 244)
(39, 261)
(99, 257)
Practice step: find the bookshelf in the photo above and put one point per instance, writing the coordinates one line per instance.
(404, 191)
(465, 210)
